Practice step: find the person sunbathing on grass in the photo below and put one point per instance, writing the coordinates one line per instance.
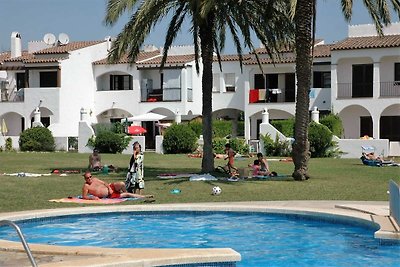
(94, 189)
(95, 161)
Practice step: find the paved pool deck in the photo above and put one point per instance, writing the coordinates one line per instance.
(12, 253)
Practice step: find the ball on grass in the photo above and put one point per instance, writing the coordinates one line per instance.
(216, 190)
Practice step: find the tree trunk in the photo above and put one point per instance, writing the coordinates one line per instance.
(206, 39)
(301, 146)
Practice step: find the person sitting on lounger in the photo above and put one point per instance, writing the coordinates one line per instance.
(94, 189)
(95, 161)
(258, 171)
(264, 167)
(255, 168)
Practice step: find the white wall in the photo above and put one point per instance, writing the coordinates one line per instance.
(223, 99)
(353, 147)
(78, 86)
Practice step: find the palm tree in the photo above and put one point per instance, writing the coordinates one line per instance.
(304, 18)
(209, 20)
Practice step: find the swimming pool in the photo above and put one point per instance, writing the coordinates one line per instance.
(263, 239)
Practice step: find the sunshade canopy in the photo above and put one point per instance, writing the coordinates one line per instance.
(151, 116)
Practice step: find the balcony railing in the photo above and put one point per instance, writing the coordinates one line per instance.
(350, 90)
(275, 95)
(355, 90)
(161, 95)
(344, 90)
(12, 95)
(390, 89)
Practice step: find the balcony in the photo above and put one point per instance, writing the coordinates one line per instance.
(350, 90)
(275, 95)
(390, 89)
(161, 95)
(12, 95)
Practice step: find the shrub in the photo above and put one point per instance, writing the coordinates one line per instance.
(72, 143)
(109, 142)
(334, 123)
(237, 144)
(36, 139)
(102, 127)
(221, 128)
(275, 148)
(196, 126)
(9, 146)
(240, 128)
(179, 138)
(218, 144)
(320, 138)
(118, 127)
(286, 127)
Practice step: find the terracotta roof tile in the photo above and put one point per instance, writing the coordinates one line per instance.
(284, 49)
(124, 60)
(282, 60)
(25, 55)
(4, 56)
(42, 60)
(322, 50)
(146, 55)
(368, 42)
(171, 60)
(231, 57)
(62, 49)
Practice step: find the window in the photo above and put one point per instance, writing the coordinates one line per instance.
(48, 79)
(215, 88)
(366, 126)
(290, 87)
(20, 80)
(389, 128)
(321, 79)
(272, 81)
(120, 82)
(230, 82)
(362, 80)
(397, 72)
(259, 81)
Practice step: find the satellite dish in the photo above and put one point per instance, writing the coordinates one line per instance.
(63, 38)
(49, 39)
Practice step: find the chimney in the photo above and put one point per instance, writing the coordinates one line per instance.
(108, 39)
(16, 46)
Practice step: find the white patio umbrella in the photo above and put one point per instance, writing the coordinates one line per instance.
(4, 129)
(150, 116)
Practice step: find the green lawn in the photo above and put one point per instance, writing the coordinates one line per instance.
(331, 179)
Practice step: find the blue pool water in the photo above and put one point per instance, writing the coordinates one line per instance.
(261, 239)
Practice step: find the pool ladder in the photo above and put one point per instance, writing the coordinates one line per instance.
(21, 236)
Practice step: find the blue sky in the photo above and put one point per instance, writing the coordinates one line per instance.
(83, 20)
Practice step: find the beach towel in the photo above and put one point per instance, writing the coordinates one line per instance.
(27, 174)
(69, 171)
(202, 177)
(277, 177)
(174, 175)
(86, 201)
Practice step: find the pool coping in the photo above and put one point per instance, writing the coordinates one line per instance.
(352, 211)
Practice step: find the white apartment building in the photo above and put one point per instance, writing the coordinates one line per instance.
(357, 78)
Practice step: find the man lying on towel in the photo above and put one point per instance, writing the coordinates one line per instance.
(94, 189)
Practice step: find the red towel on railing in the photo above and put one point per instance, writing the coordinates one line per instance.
(253, 97)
